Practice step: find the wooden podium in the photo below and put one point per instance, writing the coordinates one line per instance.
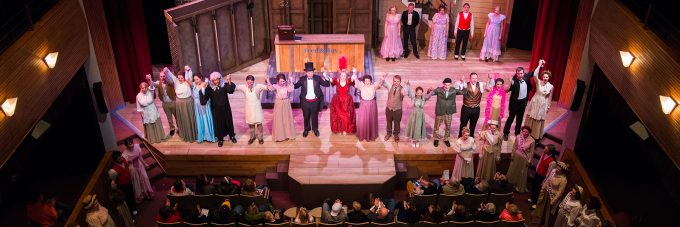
(322, 49)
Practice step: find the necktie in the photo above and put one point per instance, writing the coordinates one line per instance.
(395, 91)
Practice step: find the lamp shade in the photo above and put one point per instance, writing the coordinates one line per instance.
(51, 59)
(667, 104)
(626, 58)
(9, 105)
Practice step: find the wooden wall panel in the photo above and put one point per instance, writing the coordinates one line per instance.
(187, 39)
(206, 40)
(26, 76)
(243, 32)
(226, 43)
(96, 21)
(361, 21)
(578, 42)
(654, 71)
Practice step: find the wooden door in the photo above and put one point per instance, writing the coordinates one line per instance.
(353, 17)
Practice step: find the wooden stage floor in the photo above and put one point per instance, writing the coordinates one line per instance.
(313, 159)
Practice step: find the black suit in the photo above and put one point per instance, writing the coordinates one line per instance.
(410, 31)
(311, 109)
(221, 110)
(517, 106)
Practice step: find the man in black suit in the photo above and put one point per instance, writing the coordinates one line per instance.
(520, 88)
(311, 98)
(409, 22)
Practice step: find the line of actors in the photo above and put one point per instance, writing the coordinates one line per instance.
(464, 27)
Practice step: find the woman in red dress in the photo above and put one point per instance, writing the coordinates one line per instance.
(342, 106)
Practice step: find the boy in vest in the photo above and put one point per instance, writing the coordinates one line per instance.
(464, 28)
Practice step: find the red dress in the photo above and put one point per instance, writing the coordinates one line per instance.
(342, 108)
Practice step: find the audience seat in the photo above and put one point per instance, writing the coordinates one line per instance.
(174, 224)
(184, 201)
(219, 199)
(249, 225)
(421, 201)
(519, 223)
(233, 224)
(363, 224)
(460, 224)
(487, 223)
(197, 225)
(283, 224)
(206, 201)
(246, 200)
(431, 224)
(472, 201)
(499, 200)
(445, 201)
(304, 225)
(291, 212)
(321, 224)
(390, 224)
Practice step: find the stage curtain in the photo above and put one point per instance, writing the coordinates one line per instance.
(129, 42)
(552, 38)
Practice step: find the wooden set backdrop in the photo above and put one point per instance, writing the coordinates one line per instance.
(218, 35)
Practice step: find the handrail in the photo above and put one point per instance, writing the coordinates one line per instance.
(94, 184)
(579, 175)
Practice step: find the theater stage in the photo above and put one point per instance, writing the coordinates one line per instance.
(335, 159)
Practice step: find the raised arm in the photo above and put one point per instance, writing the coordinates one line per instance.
(205, 94)
(472, 26)
(297, 84)
(231, 87)
(324, 82)
(172, 76)
(537, 71)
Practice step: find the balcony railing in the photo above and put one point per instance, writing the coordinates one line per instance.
(18, 17)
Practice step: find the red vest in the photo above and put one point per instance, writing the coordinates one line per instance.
(464, 23)
(123, 173)
(543, 164)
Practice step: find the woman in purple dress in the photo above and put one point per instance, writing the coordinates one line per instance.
(367, 114)
(491, 48)
(438, 37)
(392, 48)
(140, 180)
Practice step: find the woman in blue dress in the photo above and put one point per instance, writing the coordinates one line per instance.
(204, 120)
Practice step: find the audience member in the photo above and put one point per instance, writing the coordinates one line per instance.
(169, 214)
(356, 215)
(179, 188)
(380, 213)
(303, 217)
(204, 186)
(273, 217)
(95, 214)
(42, 211)
(480, 187)
(333, 214)
(228, 186)
(426, 187)
(452, 187)
(434, 214)
(224, 213)
(459, 214)
(487, 213)
(253, 215)
(500, 184)
(407, 213)
(511, 212)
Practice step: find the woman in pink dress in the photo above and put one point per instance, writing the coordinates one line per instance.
(392, 48)
(495, 102)
(342, 106)
(282, 124)
(367, 114)
(439, 35)
(140, 180)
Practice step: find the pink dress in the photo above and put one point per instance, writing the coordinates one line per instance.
(283, 127)
(140, 180)
(437, 48)
(391, 44)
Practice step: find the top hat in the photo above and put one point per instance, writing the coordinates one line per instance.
(309, 66)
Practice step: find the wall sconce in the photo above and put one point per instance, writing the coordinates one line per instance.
(51, 59)
(667, 104)
(626, 58)
(9, 105)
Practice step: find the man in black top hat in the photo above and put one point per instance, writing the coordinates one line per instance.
(311, 98)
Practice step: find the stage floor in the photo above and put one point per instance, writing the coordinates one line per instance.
(313, 157)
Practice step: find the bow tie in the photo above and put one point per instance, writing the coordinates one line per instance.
(521, 81)
(309, 78)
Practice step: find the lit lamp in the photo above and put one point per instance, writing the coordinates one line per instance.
(667, 104)
(626, 58)
(51, 59)
(9, 105)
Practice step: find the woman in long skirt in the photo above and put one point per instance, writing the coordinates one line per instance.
(464, 148)
(491, 48)
(254, 114)
(540, 103)
(153, 128)
(367, 115)
(522, 151)
(140, 180)
(439, 34)
(490, 153)
(186, 115)
(495, 102)
(551, 191)
(391, 47)
(204, 120)
(282, 124)
(342, 106)
(570, 208)
(415, 126)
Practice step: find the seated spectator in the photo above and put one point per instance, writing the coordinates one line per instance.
(480, 187)
(42, 211)
(452, 187)
(228, 186)
(179, 188)
(407, 213)
(95, 214)
(167, 214)
(193, 215)
(511, 213)
(333, 214)
(204, 186)
(250, 188)
(459, 214)
(434, 214)
(356, 215)
(303, 217)
(500, 184)
(253, 215)
(273, 217)
(380, 213)
(224, 214)
(487, 213)
(426, 187)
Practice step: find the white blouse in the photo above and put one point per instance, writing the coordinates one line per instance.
(183, 90)
(281, 91)
(147, 107)
(465, 147)
(367, 91)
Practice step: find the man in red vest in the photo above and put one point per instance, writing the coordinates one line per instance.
(123, 180)
(542, 166)
(463, 28)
